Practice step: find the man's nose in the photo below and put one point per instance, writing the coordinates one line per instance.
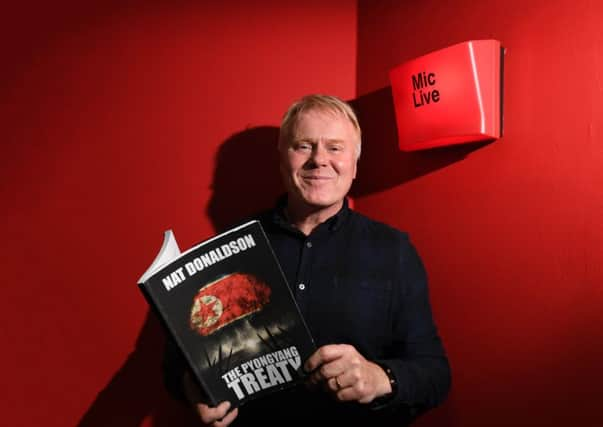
(319, 155)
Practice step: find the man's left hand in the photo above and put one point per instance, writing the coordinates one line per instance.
(347, 374)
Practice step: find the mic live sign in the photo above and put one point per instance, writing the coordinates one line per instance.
(425, 81)
(449, 96)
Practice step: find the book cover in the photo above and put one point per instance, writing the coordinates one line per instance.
(227, 305)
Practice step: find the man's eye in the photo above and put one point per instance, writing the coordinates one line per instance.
(335, 148)
(304, 147)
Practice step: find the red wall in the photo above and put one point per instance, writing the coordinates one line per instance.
(112, 114)
(121, 119)
(512, 231)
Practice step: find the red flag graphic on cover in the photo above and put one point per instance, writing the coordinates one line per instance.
(227, 299)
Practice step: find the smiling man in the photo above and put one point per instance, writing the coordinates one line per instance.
(319, 149)
(360, 285)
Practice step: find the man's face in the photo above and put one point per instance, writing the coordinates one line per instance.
(318, 164)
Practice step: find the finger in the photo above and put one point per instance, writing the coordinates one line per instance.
(315, 378)
(229, 418)
(352, 387)
(346, 394)
(340, 391)
(350, 381)
(332, 369)
(333, 384)
(324, 354)
(326, 371)
(211, 414)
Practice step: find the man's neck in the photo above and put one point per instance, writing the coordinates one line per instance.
(306, 218)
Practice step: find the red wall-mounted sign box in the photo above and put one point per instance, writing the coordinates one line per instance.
(451, 96)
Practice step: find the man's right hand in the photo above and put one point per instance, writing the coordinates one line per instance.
(218, 416)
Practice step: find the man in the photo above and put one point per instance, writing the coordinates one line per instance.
(359, 284)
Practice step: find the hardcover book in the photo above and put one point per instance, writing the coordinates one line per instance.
(227, 305)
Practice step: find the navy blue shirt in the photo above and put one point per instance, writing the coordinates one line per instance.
(361, 282)
(358, 282)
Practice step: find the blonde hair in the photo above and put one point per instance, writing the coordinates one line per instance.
(326, 103)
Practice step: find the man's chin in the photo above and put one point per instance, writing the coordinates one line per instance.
(318, 203)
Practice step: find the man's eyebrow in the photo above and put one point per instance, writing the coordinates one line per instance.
(328, 140)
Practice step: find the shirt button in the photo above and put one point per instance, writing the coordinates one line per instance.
(302, 286)
(309, 244)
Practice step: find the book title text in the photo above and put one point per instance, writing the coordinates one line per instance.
(263, 372)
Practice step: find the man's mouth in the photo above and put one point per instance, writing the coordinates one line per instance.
(316, 177)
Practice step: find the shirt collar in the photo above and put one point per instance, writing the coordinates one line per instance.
(332, 224)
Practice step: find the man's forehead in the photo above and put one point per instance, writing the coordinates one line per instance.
(324, 114)
(328, 125)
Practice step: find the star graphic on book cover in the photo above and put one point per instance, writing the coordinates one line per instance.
(226, 300)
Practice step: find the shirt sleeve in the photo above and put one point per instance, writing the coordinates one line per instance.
(417, 357)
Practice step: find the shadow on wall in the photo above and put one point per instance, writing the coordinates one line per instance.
(382, 165)
(136, 391)
(246, 181)
(246, 176)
